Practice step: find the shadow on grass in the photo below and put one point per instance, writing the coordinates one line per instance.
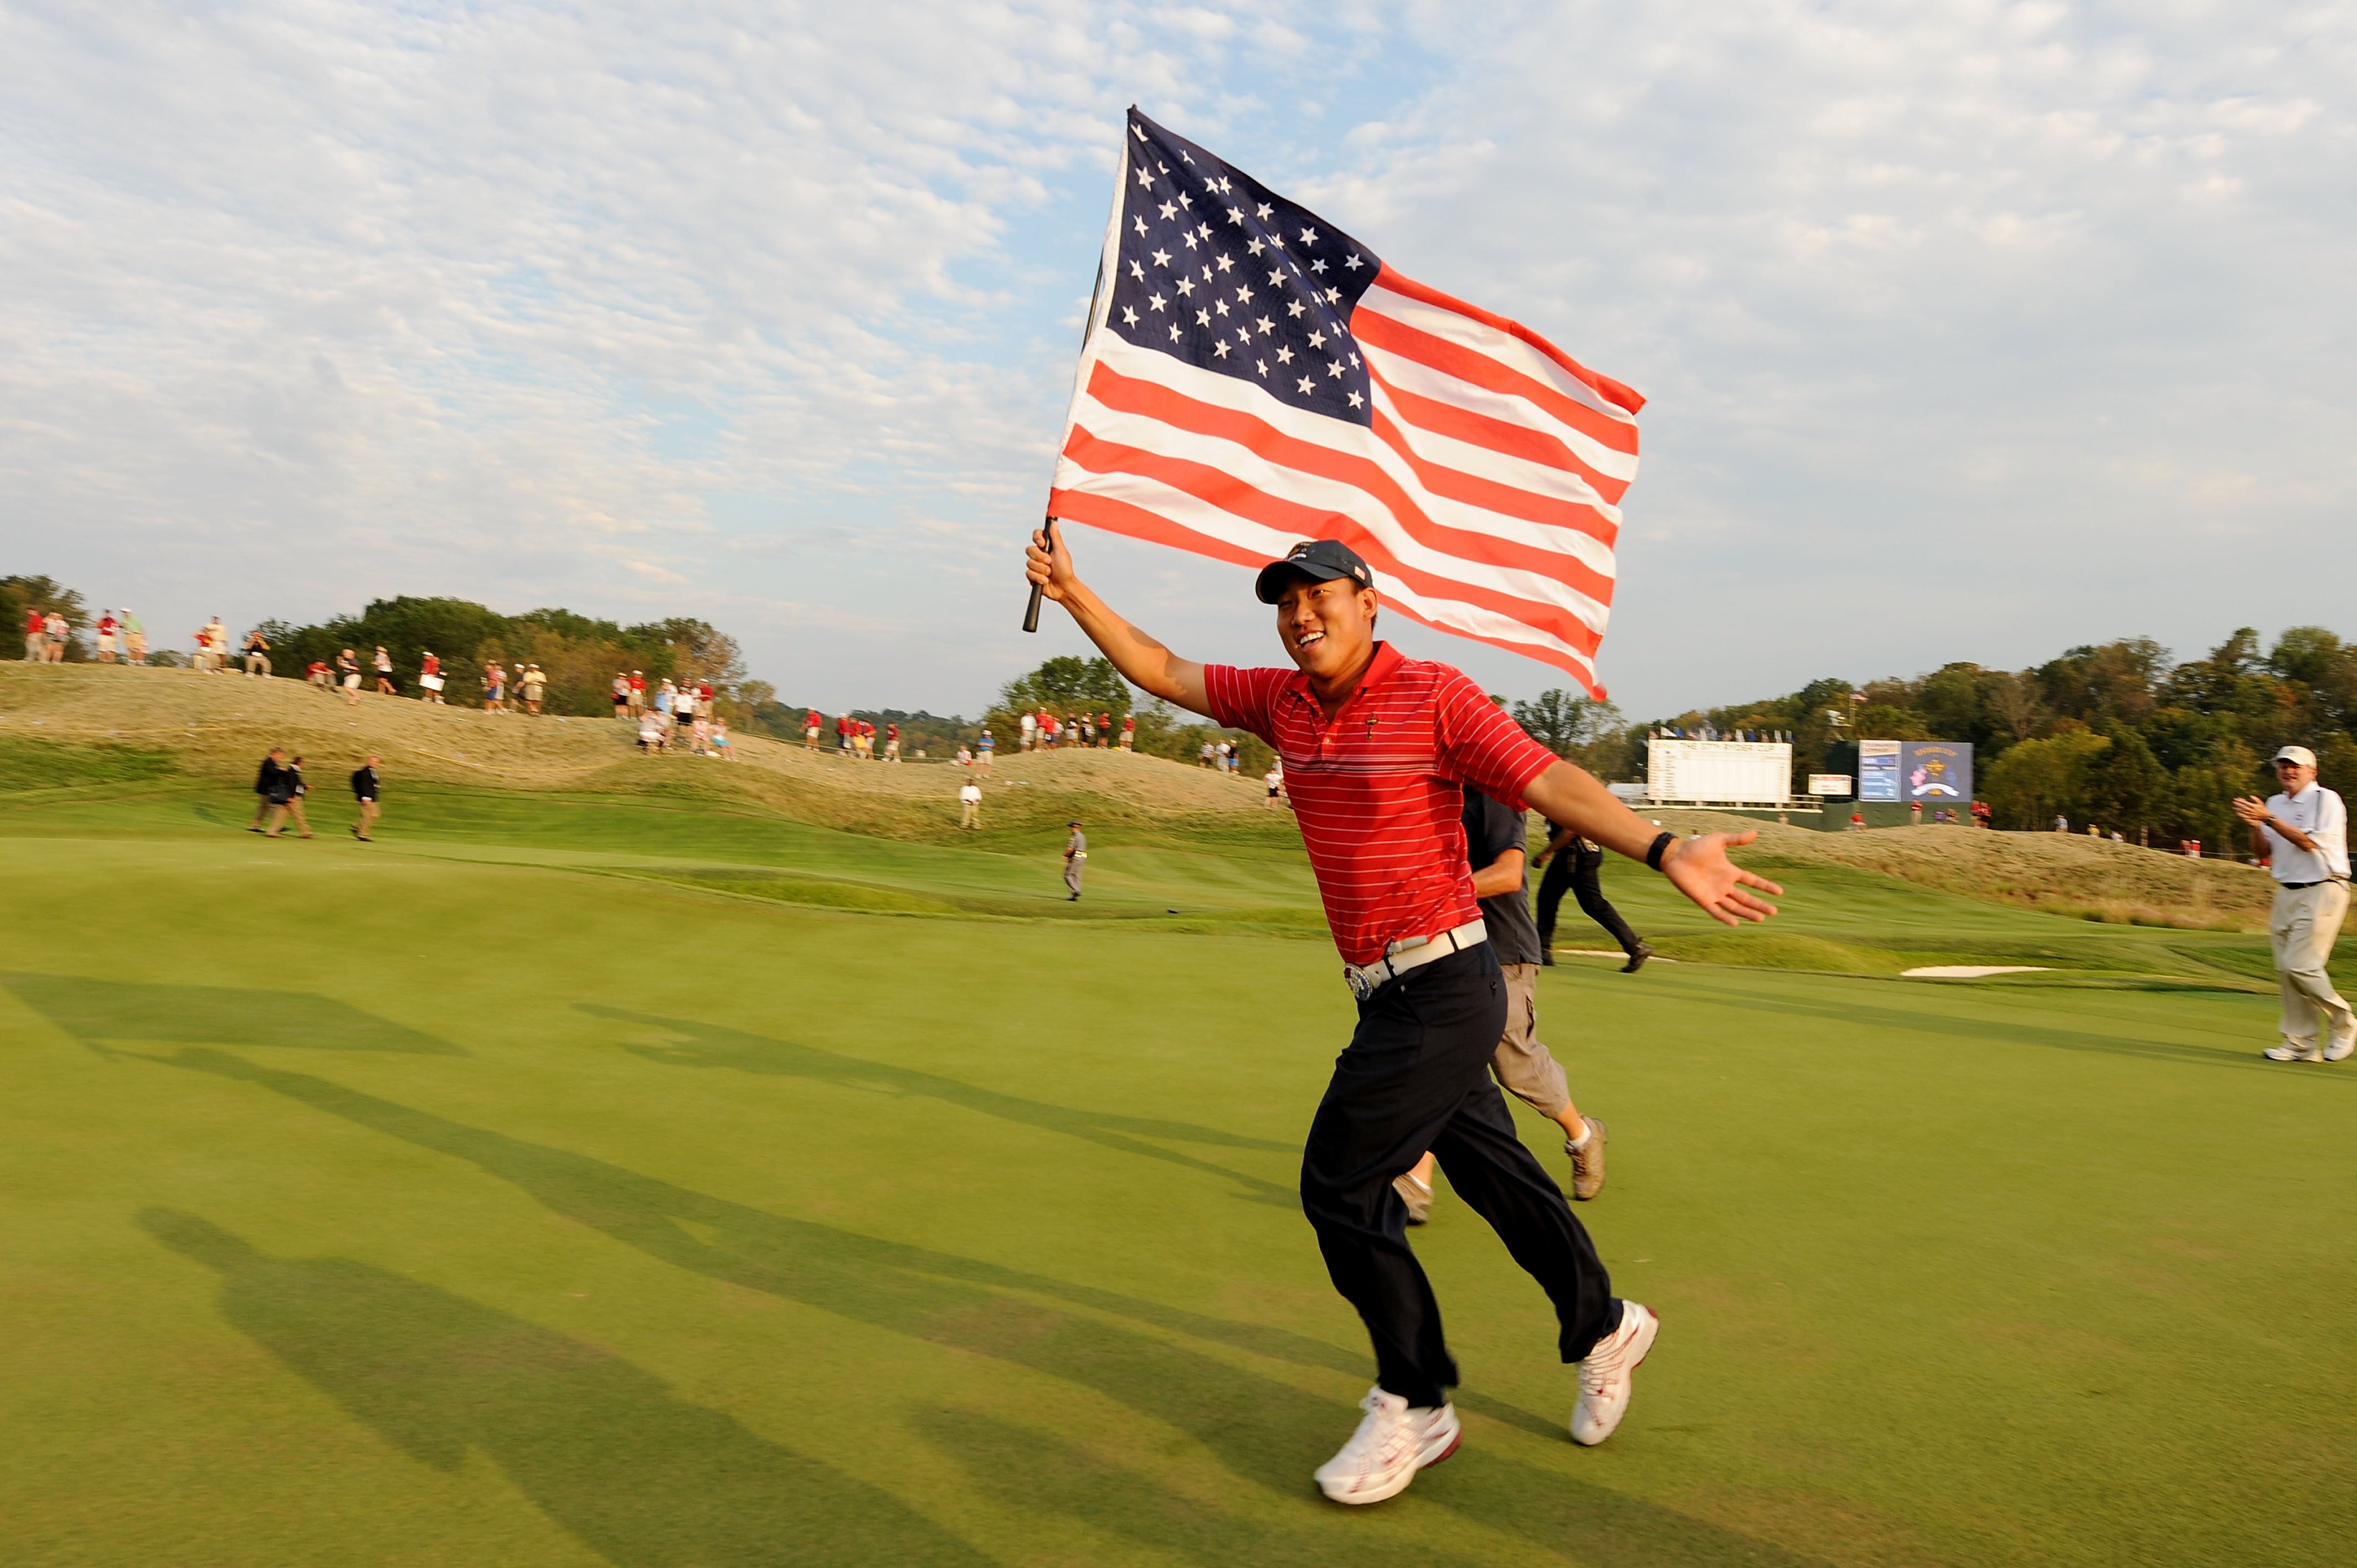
(711, 1045)
(1999, 1030)
(1261, 1430)
(601, 1446)
(93, 1011)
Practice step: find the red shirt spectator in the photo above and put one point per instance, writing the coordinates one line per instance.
(1378, 791)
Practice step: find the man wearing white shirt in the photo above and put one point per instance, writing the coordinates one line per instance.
(2304, 833)
(970, 805)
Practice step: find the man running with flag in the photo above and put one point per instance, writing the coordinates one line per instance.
(1377, 749)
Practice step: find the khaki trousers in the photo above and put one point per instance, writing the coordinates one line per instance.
(969, 814)
(2302, 927)
(1526, 1069)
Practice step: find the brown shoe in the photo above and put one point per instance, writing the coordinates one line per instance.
(1587, 1164)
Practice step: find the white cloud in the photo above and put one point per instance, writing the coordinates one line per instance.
(1970, 329)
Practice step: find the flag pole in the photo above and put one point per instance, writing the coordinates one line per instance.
(1088, 333)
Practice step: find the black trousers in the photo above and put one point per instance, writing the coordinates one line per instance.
(1578, 868)
(1416, 1077)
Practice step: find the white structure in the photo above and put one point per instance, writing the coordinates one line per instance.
(1720, 772)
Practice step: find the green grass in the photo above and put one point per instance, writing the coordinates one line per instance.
(557, 1182)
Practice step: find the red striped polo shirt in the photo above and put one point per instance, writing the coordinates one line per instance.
(1379, 791)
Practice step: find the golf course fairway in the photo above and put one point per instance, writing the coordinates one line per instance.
(453, 1201)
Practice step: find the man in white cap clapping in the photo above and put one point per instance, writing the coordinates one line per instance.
(2304, 833)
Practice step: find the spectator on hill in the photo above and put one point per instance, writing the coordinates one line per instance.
(429, 678)
(965, 757)
(135, 639)
(347, 675)
(699, 736)
(2093, 832)
(1088, 730)
(1076, 855)
(535, 684)
(382, 664)
(2061, 823)
(1205, 758)
(653, 735)
(2302, 832)
(621, 695)
(1128, 732)
(637, 689)
(1276, 782)
(1105, 732)
(1027, 731)
(317, 673)
(1857, 821)
(843, 733)
(217, 645)
(54, 634)
(37, 635)
(270, 787)
(969, 803)
(984, 750)
(106, 626)
(891, 743)
(1982, 816)
(364, 792)
(811, 723)
(495, 688)
(257, 659)
(704, 698)
(722, 747)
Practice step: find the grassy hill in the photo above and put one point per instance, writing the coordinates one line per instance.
(169, 753)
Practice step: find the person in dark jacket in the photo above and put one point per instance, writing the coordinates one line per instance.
(1573, 862)
(364, 788)
(270, 788)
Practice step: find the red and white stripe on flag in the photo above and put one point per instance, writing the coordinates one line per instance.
(1483, 486)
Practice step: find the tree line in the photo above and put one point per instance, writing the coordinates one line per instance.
(2121, 735)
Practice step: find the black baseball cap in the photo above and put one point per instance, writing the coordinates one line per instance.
(1319, 560)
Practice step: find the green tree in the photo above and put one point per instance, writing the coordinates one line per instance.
(2037, 780)
(18, 594)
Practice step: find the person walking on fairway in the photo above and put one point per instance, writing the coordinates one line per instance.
(271, 789)
(1376, 748)
(1076, 855)
(364, 791)
(2304, 833)
(1571, 861)
(1495, 846)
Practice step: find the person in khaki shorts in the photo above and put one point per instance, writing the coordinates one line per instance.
(1496, 843)
(2304, 833)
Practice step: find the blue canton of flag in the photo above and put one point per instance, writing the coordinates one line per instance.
(1222, 273)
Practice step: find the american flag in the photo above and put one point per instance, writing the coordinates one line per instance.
(1252, 377)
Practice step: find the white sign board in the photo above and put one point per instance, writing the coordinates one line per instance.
(1720, 772)
(1829, 784)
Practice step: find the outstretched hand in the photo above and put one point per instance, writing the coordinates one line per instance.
(1698, 867)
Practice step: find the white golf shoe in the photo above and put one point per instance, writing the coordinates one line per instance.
(1392, 1443)
(2290, 1051)
(1605, 1378)
(2338, 1052)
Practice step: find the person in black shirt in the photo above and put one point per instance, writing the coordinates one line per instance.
(1573, 862)
(270, 790)
(1496, 840)
(364, 786)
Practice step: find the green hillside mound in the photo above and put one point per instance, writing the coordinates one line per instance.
(96, 752)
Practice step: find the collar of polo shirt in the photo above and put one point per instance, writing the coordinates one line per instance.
(1386, 660)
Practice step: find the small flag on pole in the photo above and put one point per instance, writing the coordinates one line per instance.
(1252, 377)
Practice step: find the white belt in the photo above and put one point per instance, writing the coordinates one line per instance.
(1411, 953)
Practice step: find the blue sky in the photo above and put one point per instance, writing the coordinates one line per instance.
(1970, 331)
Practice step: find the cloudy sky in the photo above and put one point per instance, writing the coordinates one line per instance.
(1970, 331)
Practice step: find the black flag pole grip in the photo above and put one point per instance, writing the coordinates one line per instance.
(1031, 613)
